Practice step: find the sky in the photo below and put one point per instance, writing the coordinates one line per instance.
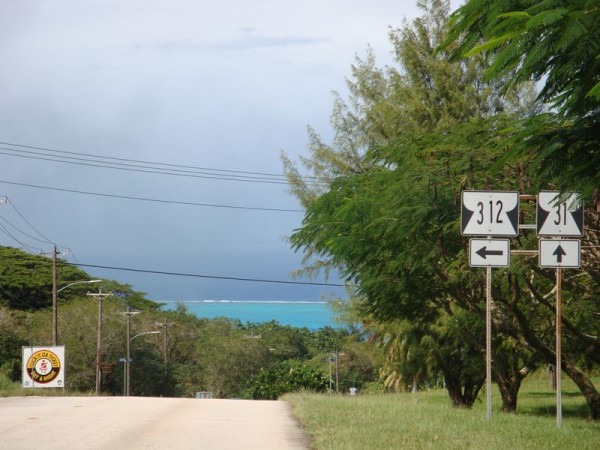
(190, 85)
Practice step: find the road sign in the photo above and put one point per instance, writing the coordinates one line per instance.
(556, 218)
(490, 213)
(559, 253)
(489, 252)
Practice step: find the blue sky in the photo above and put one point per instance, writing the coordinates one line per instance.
(221, 85)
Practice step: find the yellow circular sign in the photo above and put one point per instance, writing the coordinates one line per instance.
(43, 366)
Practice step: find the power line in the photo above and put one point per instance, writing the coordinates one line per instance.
(44, 239)
(20, 231)
(143, 169)
(11, 236)
(145, 199)
(214, 277)
(142, 161)
(28, 223)
(107, 162)
(193, 275)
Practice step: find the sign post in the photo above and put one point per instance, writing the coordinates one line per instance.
(496, 213)
(559, 215)
(489, 213)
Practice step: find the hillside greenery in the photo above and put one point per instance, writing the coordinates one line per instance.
(221, 356)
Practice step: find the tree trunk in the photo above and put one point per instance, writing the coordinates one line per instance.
(509, 390)
(583, 382)
(509, 373)
(462, 396)
(585, 385)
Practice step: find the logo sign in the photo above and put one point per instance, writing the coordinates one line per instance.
(490, 213)
(43, 367)
(559, 253)
(559, 218)
(489, 252)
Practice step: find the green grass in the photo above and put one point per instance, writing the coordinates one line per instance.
(426, 420)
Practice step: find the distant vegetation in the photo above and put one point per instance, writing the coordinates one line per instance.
(221, 356)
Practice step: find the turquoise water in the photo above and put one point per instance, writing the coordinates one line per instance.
(312, 315)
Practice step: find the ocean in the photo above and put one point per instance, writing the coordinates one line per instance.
(312, 315)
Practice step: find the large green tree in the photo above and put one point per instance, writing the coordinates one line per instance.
(391, 225)
(385, 213)
(555, 43)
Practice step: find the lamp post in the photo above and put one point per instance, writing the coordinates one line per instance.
(99, 296)
(128, 315)
(128, 358)
(55, 292)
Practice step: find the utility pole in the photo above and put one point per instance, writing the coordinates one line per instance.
(165, 325)
(54, 298)
(99, 296)
(128, 315)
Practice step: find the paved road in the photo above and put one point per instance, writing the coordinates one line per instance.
(46, 423)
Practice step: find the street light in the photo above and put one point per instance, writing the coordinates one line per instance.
(99, 296)
(128, 358)
(78, 282)
(55, 306)
(128, 315)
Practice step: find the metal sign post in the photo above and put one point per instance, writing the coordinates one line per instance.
(489, 213)
(496, 213)
(488, 340)
(558, 348)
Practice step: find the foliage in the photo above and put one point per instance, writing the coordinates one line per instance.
(187, 356)
(392, 225)
(288, 376)
(27, 279)
(556, 44)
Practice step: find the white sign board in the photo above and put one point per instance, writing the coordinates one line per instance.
(490, 213)
(556, 253)
(554, 218)
(43, 367)
(489, 252)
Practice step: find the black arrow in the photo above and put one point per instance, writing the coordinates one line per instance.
(559, 252)
(483, 252)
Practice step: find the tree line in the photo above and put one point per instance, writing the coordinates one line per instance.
(499, 95)
(222, 356)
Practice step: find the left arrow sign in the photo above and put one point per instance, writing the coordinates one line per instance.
(484, 252)
(489, 252)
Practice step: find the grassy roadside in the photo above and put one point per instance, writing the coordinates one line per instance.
(426, 420)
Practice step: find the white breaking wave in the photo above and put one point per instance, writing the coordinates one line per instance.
(267, 302)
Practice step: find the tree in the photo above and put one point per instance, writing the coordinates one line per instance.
(556, 44)
(289, 376)
(27, 279)
(389, 219)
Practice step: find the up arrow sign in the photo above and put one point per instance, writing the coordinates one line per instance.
(555, 253)
(559, 253)
(559, 215)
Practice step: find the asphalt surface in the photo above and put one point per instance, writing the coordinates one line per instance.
(45, 423)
